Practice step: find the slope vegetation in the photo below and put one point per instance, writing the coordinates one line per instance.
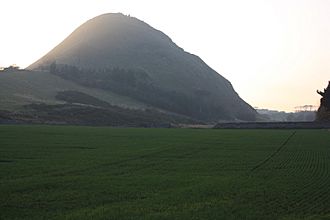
(40, 97)
(128, 57)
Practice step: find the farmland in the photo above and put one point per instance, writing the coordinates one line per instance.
(63, 172)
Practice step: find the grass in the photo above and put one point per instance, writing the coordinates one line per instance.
(25, 87)
(49, 172)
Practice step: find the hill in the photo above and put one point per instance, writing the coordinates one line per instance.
(19, 88)
(281, 116)
(127, 57)
(41, 97)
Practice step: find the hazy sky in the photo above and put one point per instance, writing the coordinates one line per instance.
(276, 53)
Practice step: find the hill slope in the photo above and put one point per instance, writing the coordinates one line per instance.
(126, 56)
(21, 88)
(40, 97)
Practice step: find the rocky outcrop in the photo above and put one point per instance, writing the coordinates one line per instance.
(323, 113)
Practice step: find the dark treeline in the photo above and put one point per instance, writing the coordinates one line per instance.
(140, 86)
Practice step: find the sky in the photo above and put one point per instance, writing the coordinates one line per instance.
(276, 53)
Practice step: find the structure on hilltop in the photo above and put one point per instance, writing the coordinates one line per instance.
(323, 113)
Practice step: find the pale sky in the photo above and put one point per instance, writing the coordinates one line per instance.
(276, 53)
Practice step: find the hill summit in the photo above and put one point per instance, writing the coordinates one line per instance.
(126, 56)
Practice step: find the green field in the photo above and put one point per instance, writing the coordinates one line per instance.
(53, 172)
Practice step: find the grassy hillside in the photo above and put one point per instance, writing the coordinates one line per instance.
(43, 98)
(181, 82)
(25, 87)
(104, 173)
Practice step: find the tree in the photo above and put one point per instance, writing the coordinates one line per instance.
(52, 67)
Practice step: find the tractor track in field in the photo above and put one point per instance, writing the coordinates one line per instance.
(309, 192)
(114, 163)
(182, 155)
(313, 196)
(275, 152)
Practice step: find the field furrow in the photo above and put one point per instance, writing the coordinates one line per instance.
(63, 172)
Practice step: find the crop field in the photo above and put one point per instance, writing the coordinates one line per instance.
(63, 172)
